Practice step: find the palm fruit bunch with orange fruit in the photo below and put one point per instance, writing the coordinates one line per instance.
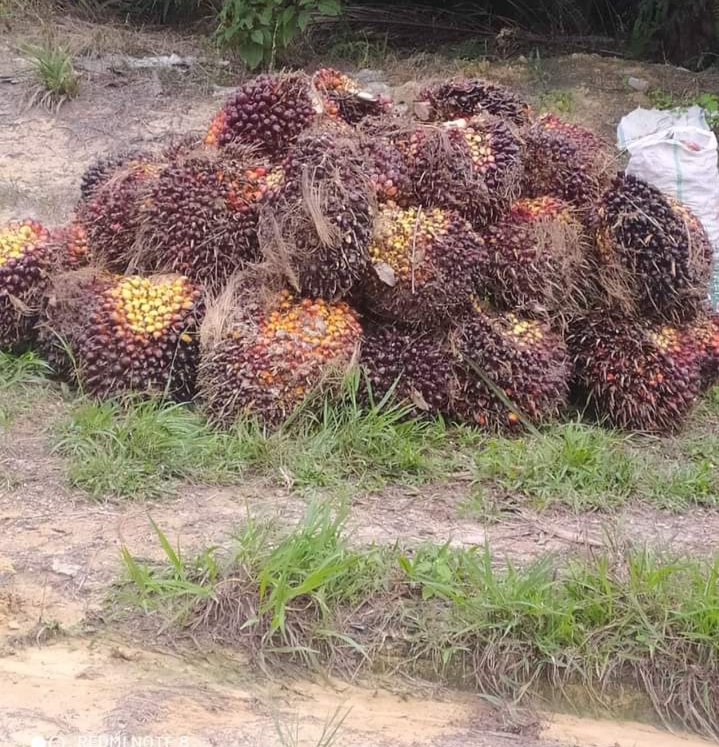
(388, 172)
(652, 253)
(343, 96)
(465, 97)
(103, 169)
(472, 166)
(409, 366)
(25, 258)
(111, 213)
(140, 335)
(533, 256)
(316, 226)
(565, 160)
(634, 375)
(272, 356)
(70, 247)
(423, 265)
(510, 371)
(200, 215)
(703, 335)
(269, 112)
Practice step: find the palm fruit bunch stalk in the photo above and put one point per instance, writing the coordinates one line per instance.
(200, 214)
(423, 265)
(472, 166)
(112, 211)
(509, 373)
(534, 255)
(269, 112)
(25, 258)
(141, 335)
(100, 171)
(269, 357)
(565, 160)
(342, 96)
(412, 367)
(653, 254)
(315, 227)
(465, 97)
(635, 375)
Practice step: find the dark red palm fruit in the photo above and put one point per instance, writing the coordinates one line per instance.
(509, 372)
(342, 96)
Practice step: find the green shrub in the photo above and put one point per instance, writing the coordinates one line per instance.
(257, 29)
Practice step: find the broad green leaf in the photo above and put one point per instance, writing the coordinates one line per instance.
(328, 7)
(251, 53)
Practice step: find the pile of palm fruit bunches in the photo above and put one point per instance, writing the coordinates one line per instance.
(475, 261)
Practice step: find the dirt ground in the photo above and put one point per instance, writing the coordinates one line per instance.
(61, 673)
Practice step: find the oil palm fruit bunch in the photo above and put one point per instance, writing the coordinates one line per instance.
(142, 335)
(111, 213)
(409, 366)
(533, 257)
(25, 258)
(70, 247)
(509, 371)
(423, 264)
(271, 357)
(200, 215)
(342, 96)
(465, 97)
(565, 160)
(635, 375)
(100, 171)
(316, 226)
(653, 254)
(269, 112)
(388, 172)
(473, 166)
(703, 335)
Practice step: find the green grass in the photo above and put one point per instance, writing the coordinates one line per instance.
(557, 100)
(55, 76)
(575, 464)
(143, 448)
(308, 596)
(22, 383)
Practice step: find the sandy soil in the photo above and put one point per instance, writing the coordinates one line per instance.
(59, 551)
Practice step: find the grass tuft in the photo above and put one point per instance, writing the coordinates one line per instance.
(137, 448)
(22, 380)
(55, 76)
(639, 621)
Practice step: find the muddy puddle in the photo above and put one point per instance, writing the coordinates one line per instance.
(72, 691)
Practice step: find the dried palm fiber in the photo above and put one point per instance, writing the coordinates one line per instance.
(653, 256)
(25, 261)
(509, 372)
(316, 226)
(410, 366)
(129, 334)
(269, 112)
(634, 375)
(342, 96)
(465, 97)
(99, 172)
(112, 212)
(200, 214)
(263, 357)
(472, 166)
(565, 160)
(423, 265)
(534, 257)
